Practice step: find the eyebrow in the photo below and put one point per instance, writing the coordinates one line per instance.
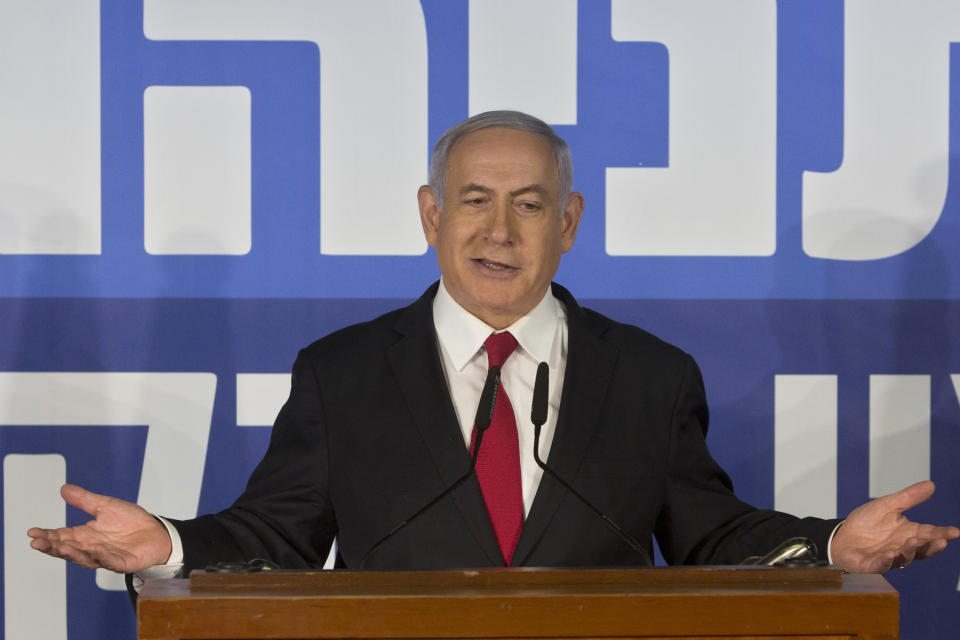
(475, 187)
(531, 188)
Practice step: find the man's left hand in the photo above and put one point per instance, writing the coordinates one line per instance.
(877, 537)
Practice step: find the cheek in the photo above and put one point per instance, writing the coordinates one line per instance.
(462, 239)
(451, 247)
(452, 228)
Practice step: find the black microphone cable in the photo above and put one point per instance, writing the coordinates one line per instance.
(488, 399)
(538, 415)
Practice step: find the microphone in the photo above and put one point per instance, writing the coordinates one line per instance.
(792, 552)
(488, 399)
(538, 415)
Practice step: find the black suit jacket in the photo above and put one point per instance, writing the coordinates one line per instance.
(369, 435)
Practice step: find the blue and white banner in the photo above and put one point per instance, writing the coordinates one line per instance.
(191, 190)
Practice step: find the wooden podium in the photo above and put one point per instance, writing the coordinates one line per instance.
(695, 603)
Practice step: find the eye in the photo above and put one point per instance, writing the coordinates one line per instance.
(476, 201)
(528, 206)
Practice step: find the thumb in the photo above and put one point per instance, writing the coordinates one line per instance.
(82, 499)
(910, 496)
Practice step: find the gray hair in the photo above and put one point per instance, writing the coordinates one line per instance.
(508, 120)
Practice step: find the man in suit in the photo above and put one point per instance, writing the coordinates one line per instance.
(380, 419)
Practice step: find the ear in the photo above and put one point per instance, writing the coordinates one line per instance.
(429, 214)
(570, 220)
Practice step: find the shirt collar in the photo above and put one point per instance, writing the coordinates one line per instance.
(462, 334)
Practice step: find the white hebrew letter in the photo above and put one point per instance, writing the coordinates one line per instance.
(196, 170)
(805, 445)
(889, 192)
(373, 103)
(176, 407)
(259, 397)
(899, 432)
(523, 55)
(50, 127)
(718, 196)
(34, 585)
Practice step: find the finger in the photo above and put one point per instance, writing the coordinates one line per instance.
(910, 496)
(52, 536)
(944, 533)
(76, 555)
(41, 544)
(82, 499)
(46, 536)
(47, 540)
(931, 548)
(908, 551)
(63, 551)
(37, 532)
(74, 537)
(882, 563)
(904, 555)
(928, 532)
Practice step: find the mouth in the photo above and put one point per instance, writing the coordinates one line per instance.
(493, 265)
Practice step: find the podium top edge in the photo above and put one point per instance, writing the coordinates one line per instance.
(516, 577)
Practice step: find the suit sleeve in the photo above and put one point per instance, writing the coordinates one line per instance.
(285, 514)
(702, 521)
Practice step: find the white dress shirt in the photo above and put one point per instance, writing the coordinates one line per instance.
(542, 337)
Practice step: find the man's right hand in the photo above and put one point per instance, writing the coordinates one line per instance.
(122, 537)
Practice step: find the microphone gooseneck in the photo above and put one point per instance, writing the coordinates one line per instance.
(488, 399)
(538, 415)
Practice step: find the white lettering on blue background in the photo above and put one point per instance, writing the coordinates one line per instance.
(35, 608)
(513, 64)
(373, 103)
(196, 170)
(890, 190)
(176, 407)
(899, 432)
(718, 194)
(50, 127)
(805, 445)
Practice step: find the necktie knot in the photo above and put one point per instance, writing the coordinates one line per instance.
(499, 347)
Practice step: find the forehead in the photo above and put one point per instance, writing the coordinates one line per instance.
(502, 155)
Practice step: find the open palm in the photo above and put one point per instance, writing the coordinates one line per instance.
(122, 537)
(876, 536)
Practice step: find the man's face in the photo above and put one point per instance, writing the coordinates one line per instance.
(502, 231)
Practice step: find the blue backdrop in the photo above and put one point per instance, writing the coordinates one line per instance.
(804, 233)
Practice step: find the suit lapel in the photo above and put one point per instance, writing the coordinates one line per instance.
(590, 364)
(415, 360)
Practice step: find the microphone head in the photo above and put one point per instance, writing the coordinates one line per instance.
(488, 399)
(538, 409)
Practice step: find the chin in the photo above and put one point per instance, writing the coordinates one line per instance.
(498, 303)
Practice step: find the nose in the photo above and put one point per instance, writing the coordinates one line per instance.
(500, 227)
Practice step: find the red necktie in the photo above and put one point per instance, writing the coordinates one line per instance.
(498, 465)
